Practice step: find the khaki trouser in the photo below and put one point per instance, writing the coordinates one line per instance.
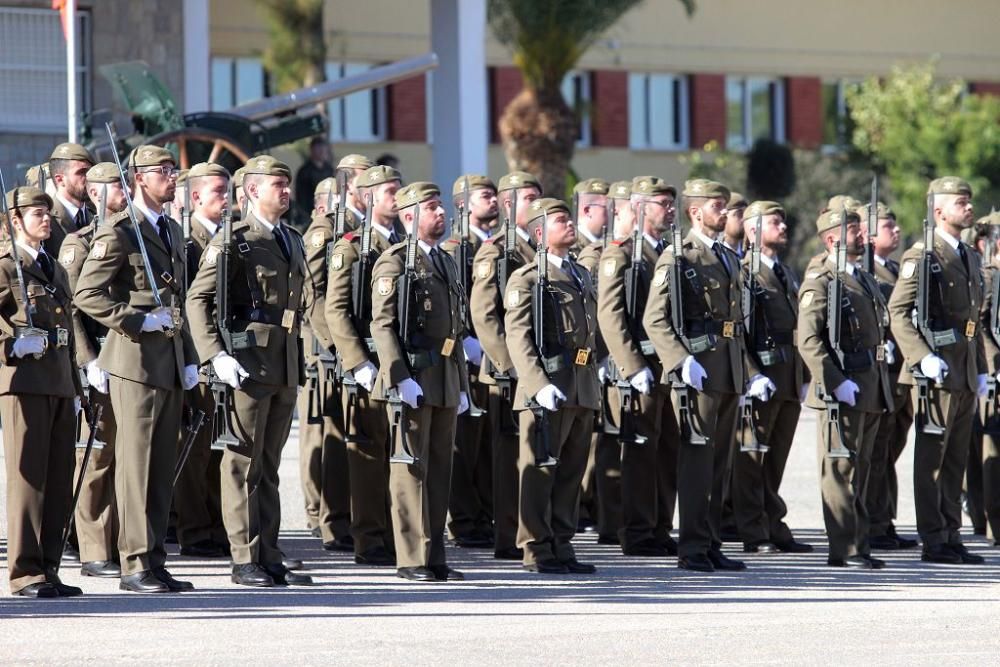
(550, 497)
(506, 481)
(844, 481)
(367, 459)
(145, 455)
(883, 487)
(197, 500)
(96, 516)
(323, 469)
(939, 467)
(471, 504)
(420, 491)
(38, 437)
(251, 504)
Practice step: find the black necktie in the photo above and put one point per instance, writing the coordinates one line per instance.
(659, 247)
(893, 267)
(46, 263)
(721, 255)
(81, 219)
(438, 263)
(573, 273)
(964, 255)
(163, 231)
(279, 236)
(393, 237)
(779, 271)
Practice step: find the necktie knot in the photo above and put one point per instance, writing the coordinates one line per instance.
(779, 272)
(282, 240)
(46, 263)
(720, 254)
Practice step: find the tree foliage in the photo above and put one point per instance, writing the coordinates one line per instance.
(295, 56)
(916, 128)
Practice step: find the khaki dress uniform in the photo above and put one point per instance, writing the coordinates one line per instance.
(844, 481)
(956, 295)
(988, 484)
(36, 408)
(146, 369)
(368, 430)
(62, 223)
(550, 496)
(266, 283)
(435, 360)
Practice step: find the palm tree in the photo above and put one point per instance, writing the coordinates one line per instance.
(547, 38)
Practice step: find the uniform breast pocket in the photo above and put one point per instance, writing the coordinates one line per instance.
(268, 279)
(138, 270)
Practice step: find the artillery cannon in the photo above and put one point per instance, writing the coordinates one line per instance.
(231, 137)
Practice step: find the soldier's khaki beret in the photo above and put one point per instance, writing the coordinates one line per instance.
(546, 206)
(267, 165)
(355, 161)
(31, 176)
(620, 190)
(103, 172)
(649, 186)
(992, 219)
(150, 156)
(238, 177)
(517, 179)
(377, 175)
(832, 219)
(415, 193)
(182, 176)
(737, 200)
(704, 188)
(71, 151)
(476, 181)
(949, 185)
(591, 186)
(838, 202)
(203, 169)
(325, 187)
(883, 211)
(28, 196)
(763, 207)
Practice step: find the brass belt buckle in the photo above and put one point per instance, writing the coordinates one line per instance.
(288, 320)
(447, 347)
(176, 320)
(729, 329)
(582, 356)
(62, 337)
(970, 329)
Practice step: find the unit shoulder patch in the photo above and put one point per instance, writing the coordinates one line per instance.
(67, 256)
(384, 286)
(909, 268)
(807, 298)
(99, 250)
(608, 267)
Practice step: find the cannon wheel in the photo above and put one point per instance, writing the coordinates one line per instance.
(194, 144)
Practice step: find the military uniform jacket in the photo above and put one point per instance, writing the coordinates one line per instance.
(55, 374)
(318, 238)
(775, 320)
(349, 335)
(955, 297)
(590, 256)
(62, 226)
(629, 346)
(571, 327)
(990, 345)
(436, 318)
(711, 298)
(486, 301)
(87, 331)
(886, 277)
(196, 246)
(112, 289)
(864, 324)
(265, 303)
(452, 247)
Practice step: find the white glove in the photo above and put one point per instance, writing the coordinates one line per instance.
(602, 370)
(890, 352)
(410, 392)
(463, 402)
(30, 345)
(549, 397)
(845, 392)
(473, 350)
(804, 392)
(934, 367)
(229, 370)
(364, 374)
(191, 377)
(158, 320)
(77, 405)
(642, 381)
(761, 388)
(982, 388)
(97, 377)
(692, 373)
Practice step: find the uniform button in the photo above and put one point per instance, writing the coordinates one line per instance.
(58, 310)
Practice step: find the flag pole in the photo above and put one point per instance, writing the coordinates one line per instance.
(69, 26)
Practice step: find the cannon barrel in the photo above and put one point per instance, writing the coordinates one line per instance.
(323, 92)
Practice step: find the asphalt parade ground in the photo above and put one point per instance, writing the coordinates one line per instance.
(784, 609)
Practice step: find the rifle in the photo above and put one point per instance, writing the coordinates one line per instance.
(869, 258)
(146, 265)
(407, 283)
(95, 418)
(223, 435)
(465, 272)
(103, 205)
(541, 445)
(627, 394)
(675, 286)
(925, 275)
(186, 228)
(748, 432)
(29, 306)
(606, 423)
(835, 303)
(197, 419)
(504, 382)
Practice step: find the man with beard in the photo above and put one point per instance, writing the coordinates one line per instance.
(68, 167)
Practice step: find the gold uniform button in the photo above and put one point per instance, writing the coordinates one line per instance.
(58, 310)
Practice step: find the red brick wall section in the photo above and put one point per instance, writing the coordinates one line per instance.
(985, 87)
(708, 109)
(505, 83)
(407, 115)
(609, 110)
(804, 111)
